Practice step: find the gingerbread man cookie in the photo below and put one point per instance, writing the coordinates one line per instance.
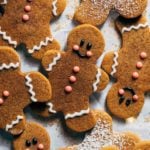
(102, 136)
(95, 12)
(74, 77)
(35, 137)
(27, 22)
(18, 90)
(130, 67)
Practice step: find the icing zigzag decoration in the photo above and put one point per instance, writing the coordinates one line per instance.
(8, 38)
(13, 123)
(125, 29)
(115, 63)
(4, 2)
(98, 75)
(54, 8)
(42, 43)
(31, 91)
(54, 62)
(8, 66)
(50, 105)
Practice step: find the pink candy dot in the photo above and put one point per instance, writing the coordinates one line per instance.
(68, 89)
(89, 53)
(72, 79)
(1, 101)
(40, 147)
(25, 17)
(76, 47)
(121, 91)
(135, 75)
(76, 69)
(143, 55)
(27, 8)
(139, 65)
(6, 93)
(135, 97)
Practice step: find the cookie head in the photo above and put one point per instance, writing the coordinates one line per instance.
(85, 42)
(34, 137)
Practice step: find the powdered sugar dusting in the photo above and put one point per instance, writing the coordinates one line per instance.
(102, 135)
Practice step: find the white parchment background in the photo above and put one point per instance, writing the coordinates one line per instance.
(59, 138)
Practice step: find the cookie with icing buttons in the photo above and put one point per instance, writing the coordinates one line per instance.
(144, 145)
(129, 66)
(27, 22)
(34, 137)
(95, 12)
(18, 90)
(74, 77)
(102, 136)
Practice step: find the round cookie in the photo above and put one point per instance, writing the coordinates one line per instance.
(74, 77)
(129, 66)
(95, 12)
(29, 24)
(18, 90)
(35, 137)
(144, 145)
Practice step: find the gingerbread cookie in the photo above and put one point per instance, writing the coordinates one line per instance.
(144, 145)
(27, 22)
(18, 90)
(95, 12)
(102, 136)
(35, 137)
(110, 148)
(74, 77)
(129, 66)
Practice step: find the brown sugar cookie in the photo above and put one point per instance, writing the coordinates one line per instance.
(27, 22)
(144, 145)
(102, 136)
(130, 67)
(74, 77)
(34, 137)
(95, 12)
(18, 90)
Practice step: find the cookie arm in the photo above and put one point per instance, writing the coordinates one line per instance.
(50, 59)
(110, 63)
(58, 6)
(38, 87)
(103, 80)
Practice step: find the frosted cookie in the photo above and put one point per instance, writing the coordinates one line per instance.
(74, 77)
(102, 136)
(27, 22)
(18, 90)
(35, 137)
(129, 66)
(95, 12)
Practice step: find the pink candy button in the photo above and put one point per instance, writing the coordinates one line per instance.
(139, 65)
(25, 17)
(27, 8)
(135, 75)
(72, 79)
(135, 98)
(68, 89)
(89, 53)
(76, 69)
(76, 47)
(40, 147)
(6, 93)
(143, 55)
(1, 101)
(121, 91)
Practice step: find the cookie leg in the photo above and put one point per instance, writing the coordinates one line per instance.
(17, 126)
(82, 123)
(40, 53)
(125, 101)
